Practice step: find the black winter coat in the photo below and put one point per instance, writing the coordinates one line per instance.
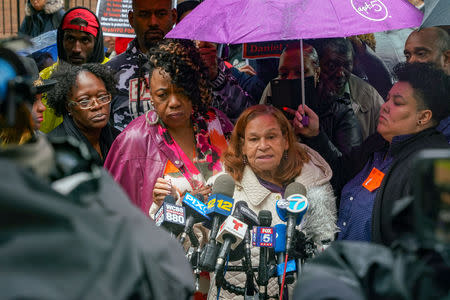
(69, 128)
(340, 124)
(367, 271)
(79, 237)
(396, 183)
(38, 22)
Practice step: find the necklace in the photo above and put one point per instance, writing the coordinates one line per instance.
(184, 169)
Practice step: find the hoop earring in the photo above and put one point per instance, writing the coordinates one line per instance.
(152, 117)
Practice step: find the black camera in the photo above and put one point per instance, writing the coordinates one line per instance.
(432, 199)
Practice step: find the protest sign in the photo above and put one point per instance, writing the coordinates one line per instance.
(113, 15)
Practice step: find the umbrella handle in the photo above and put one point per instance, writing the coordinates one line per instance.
(305, 120)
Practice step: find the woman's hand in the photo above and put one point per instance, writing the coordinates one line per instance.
(162, 188)
(247, 69)
(205, 190)
(309, 130)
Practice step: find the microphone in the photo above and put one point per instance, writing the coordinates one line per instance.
(231, 233)
(195, 212)
(280, 251)
(245, 214)
(171, 216)
(292, 209)
(265, 220)
(219, 207)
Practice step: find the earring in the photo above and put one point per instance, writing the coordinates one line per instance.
(244, 159)
(152, 117)
(285, 154)
(152, 103)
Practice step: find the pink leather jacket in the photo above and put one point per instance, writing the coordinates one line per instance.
(139, 155)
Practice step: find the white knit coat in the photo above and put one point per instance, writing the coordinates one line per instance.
(319, 222)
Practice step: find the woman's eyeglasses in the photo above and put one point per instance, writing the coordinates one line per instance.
(89, 103)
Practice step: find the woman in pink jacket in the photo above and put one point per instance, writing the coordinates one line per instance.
(176, 147)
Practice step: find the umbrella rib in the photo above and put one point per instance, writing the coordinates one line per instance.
(337, 17)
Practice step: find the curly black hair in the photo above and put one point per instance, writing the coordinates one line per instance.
(182, 61)
(66, 75)
(431, 85)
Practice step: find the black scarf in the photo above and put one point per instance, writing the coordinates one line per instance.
(69, 128)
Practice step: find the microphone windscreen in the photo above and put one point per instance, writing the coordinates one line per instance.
(170, 199)
(265, 218)
(294, 188)
(240, 203)
(237, 209)
(224, 185)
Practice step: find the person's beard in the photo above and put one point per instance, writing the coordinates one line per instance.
(152, 37)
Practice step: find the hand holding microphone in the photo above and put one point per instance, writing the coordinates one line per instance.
(163, 187)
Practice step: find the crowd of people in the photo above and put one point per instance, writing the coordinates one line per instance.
(108, 140)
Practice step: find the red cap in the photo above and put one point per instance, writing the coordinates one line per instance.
(84, 14)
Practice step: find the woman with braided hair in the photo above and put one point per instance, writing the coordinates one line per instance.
(176, 147)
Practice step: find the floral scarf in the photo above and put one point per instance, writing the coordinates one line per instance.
(209, 147)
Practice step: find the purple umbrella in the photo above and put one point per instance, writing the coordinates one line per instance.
(247, 21)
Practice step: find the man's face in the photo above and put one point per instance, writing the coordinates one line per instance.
(38, 4)
(151, 21)
(78, 46)
(289, 66)
(423, 46)
(336, 69)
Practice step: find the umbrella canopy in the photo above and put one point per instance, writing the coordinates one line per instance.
(45, 42)
(246, 21)
(437, 13)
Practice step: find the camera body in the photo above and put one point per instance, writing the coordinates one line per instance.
(431, 196)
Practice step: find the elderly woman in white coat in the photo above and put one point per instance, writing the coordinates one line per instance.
(263, 157)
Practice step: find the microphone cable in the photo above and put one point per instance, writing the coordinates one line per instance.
(222, 276)
(284, 276)
(223, 283)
